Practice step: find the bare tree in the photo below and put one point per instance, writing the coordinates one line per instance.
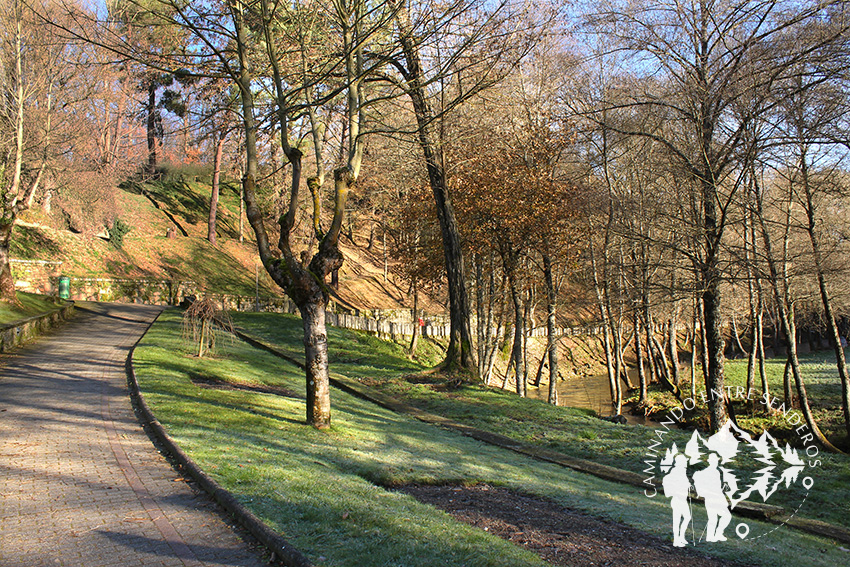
(697, 62)
(33, 66)
(810, 115)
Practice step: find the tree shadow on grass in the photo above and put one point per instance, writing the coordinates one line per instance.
(30, 243)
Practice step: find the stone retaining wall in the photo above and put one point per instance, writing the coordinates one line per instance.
(19, 332)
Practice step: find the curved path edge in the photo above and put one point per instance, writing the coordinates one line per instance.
(280, 548)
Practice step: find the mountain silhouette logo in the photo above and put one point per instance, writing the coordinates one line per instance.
(723, 470)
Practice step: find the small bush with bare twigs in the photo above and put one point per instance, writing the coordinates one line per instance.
(201, 322)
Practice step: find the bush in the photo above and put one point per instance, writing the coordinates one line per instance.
(199, 324)
(117, 232)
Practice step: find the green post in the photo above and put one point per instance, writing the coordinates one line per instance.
(64, 287)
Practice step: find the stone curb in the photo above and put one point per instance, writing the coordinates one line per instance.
(280, 548)
(756, 510)
(16, 333)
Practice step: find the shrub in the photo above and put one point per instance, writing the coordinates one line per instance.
(117, 232)
(199, 324)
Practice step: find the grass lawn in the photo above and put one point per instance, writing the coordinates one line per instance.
(31, 304)
(572, 431)
(822, 386)
(326, 491)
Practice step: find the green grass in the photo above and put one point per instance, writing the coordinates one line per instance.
(29, 243)
(575, 432)
(29, 305)
(822, 386)
(324, 490)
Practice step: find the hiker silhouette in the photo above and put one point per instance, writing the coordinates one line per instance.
(676, 487)
(708, 484)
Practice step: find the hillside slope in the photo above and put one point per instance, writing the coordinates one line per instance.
(167, 241)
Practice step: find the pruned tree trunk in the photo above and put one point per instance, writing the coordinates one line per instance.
(214, 191)
(304, 283)
(316, 363)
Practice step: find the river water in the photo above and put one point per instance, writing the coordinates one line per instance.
(591, 391)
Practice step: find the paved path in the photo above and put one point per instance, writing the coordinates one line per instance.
(81, 484)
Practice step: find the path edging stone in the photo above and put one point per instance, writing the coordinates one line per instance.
(280, 548)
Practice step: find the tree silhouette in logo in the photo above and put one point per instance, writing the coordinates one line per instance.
(712, 477)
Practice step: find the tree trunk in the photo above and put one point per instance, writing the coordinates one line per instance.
(242, 216)
(620, 347)
(601, 296)
(649, 354)
(786, 384)
(304, 284)
(150, 109)
(694, 350)
(642, 397)
(785, 310)
(7, 282)
(621, 372)
(508, 371)
(488, 323)
(316, 361)
(551, 345)
(829, 315)
(519, 333)
(760, 341)
(787, 318)
(538, 377)
(219, 152)
(415, 339)
(673, 347)
(528, 325)
(749, 253)
(714, 379)
(459, 353)
(702, 340)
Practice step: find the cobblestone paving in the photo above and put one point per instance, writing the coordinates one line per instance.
(81, 484)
